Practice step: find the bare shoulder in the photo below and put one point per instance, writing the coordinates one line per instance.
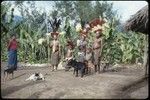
(98, 40)
(17, 40)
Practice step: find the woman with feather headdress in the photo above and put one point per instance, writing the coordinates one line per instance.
(97, 45)
(55, 45)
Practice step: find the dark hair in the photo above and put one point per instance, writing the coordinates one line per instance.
(80, 47)
(13, 35)
(36, 74)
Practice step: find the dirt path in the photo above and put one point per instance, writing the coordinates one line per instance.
(61, 84)
(134, 91)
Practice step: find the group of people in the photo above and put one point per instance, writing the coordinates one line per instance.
(90, 55)
(86, 54)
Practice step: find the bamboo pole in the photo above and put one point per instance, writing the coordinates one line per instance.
(48, 42)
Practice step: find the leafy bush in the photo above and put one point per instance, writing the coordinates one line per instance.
(119, 47)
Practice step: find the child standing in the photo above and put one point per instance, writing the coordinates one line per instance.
(89, 59)
(81, 54)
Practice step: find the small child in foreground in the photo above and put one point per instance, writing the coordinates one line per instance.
(89, 60)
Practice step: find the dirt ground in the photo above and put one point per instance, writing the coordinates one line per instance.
(122, 82)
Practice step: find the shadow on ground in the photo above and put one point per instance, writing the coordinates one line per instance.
(129, 88)
(13, 89)
(18, 76)
(37, 94)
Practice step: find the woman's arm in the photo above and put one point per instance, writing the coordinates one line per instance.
(101, 46)
(59, 49)
(50, 45)
(9, 44)
(93, 46)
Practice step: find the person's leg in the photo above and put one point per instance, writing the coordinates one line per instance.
(95, 68)
(15, 60)
(56, 66)
(52, 61)
(87, 70)
(82, 72)
(57, 59)
(98, 66)
(76, 72)
(96, 61)
(52, 68)
(87, 67)
(12, 75)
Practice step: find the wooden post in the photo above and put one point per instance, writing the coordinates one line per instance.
(48, 40)
(145, 64)
(48, 49)
(147, 59)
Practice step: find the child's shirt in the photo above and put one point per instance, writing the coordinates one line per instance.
(81, 56)
(88, 56)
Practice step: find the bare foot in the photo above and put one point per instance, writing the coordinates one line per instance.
(52, 70)
(98, 72)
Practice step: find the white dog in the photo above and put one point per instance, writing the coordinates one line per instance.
(36, 76)
(60, 65)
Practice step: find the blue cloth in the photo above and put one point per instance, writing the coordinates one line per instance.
(12, 59)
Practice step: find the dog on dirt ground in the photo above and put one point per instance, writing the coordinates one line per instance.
(7, 73)
(35, 77)
(78, 66)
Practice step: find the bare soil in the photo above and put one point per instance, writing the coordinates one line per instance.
(126, 81)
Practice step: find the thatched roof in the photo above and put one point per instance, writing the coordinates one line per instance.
(139, 21)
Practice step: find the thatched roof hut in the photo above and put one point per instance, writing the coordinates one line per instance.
(139, 21)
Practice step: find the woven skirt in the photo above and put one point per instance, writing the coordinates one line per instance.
(55, 58)
(96, 56)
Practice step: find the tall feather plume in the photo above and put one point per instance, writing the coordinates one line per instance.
(55, 24)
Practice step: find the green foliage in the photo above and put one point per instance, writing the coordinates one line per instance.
(122, 47)
(85, 11)
(66, 8)
(118, 46)
(28, 32)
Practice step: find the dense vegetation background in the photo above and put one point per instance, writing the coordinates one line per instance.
(33, 24)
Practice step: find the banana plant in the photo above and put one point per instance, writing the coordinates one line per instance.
(130, 44)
